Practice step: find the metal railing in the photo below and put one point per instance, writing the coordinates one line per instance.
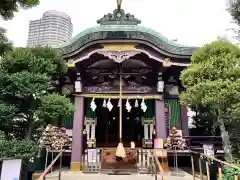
(206, 167)
(50, 166)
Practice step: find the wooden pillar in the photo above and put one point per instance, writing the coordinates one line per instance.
(160, 125)
(77, 134)
(184, 121)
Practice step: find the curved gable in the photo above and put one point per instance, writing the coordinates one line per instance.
(125, 28)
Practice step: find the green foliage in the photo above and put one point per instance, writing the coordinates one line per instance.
(54, 106)
(9, 7)
(203, 121)
(7, 10)
(234, 127)
(5, 44)
(34, 60)
(229, 173)
(213, 81)
(234, 9)
(213, 77)
(18, 149)
(26, 76)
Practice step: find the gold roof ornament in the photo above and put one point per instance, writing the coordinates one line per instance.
(119, 4)
(166, 62)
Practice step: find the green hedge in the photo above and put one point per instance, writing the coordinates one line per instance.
(18, 149)
(229, 173)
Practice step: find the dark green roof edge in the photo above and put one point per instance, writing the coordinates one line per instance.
(121, 32)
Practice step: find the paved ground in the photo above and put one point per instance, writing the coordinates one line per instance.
(68, 175)
(75, 176)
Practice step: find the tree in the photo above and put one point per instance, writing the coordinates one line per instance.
(8, 8)
(18, 149)
(213, 80)
(26, 78)
(234, 9)
(5, 44)
(203, 122)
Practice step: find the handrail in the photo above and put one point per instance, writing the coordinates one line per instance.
(158, 164)
(202, 157)
(217, 160)
(50, 165)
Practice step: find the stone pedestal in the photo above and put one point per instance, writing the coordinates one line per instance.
(77, 132)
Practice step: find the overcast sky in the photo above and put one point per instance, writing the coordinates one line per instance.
(192, 22)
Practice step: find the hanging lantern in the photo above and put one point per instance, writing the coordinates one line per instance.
(104, 103)
(136, 103)
(128, 106)
(143, 106)
(93, 105)
(109, 105)
(160, 86)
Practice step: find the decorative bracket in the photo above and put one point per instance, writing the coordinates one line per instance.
(90, 125)
(119, 56)
(70, 63)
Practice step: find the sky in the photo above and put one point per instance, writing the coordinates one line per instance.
(192, 22)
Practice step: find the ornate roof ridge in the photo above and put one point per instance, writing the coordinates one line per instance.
(118, 17)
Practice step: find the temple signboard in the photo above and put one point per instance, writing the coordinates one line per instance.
(167, 113)
(208, 150)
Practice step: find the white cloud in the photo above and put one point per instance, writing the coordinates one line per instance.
(192, 22)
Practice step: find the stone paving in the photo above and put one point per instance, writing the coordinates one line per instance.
(121, 177)
(68, 175)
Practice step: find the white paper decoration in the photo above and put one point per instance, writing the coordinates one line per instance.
(109, 105)
(136, 103)
(93, 105)
(128, 106)
(104, 103)
(143, 106)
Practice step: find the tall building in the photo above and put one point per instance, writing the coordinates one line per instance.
(52, 29)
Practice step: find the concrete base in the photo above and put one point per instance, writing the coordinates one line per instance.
(76, 166)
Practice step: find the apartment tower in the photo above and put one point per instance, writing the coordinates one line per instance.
(53, 29)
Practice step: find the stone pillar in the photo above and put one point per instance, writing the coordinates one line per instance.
(184, 120)
(77, 132)
(160, 125)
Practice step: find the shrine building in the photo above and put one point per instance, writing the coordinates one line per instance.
(125, 79)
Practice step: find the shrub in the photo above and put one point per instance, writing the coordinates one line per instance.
(18, 149)
(230, 172)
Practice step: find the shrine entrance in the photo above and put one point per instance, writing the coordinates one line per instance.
(107, 128)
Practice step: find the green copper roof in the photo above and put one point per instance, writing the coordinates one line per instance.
(123, 26)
